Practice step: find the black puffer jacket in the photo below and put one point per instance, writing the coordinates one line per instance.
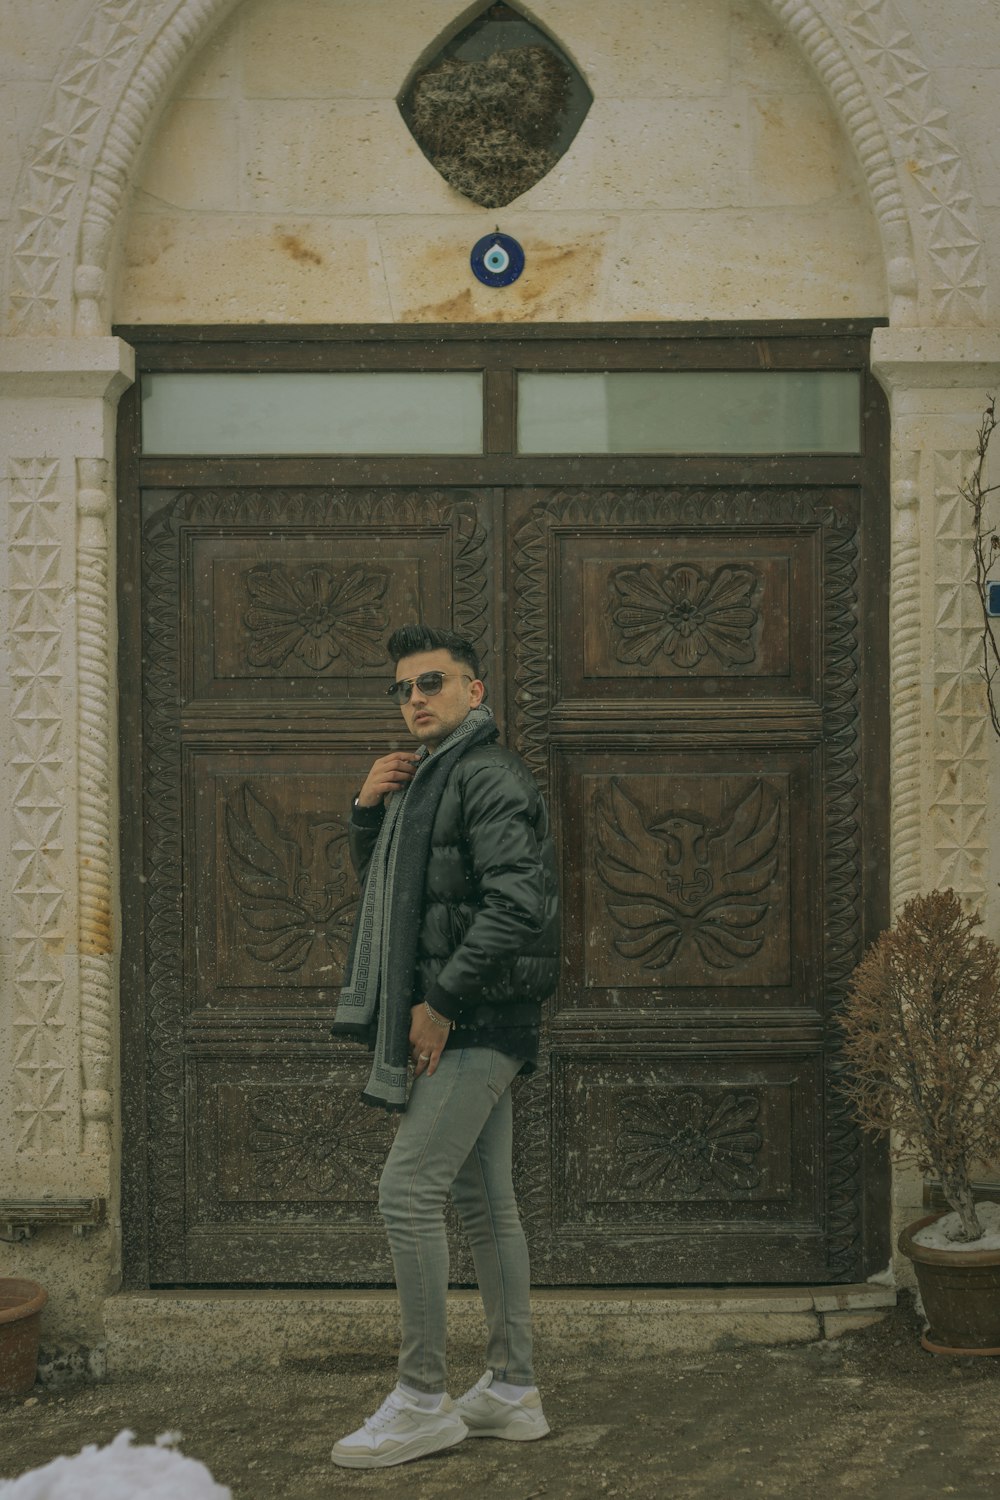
(488, 947)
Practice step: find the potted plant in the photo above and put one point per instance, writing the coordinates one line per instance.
(922, 1043)
(21, 1304)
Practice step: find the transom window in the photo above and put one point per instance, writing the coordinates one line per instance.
(419, 412)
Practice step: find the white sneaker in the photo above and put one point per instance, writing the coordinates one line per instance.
(398, 1431)
(486, 1414)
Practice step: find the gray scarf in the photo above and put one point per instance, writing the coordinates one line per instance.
(377, 994)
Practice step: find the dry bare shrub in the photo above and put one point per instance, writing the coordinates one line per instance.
(922, 1029)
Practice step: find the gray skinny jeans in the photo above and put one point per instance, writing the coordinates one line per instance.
(455, 1135)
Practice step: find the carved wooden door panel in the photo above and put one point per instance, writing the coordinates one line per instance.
(685, 676)
(687, 689)
(264, 620)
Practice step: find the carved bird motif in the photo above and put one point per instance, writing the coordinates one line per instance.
(687, 880)
(289, 895)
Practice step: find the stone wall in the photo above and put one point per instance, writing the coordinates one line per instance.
(710, 179)
(243, 161)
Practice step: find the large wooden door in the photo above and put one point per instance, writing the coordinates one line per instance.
(692, 672)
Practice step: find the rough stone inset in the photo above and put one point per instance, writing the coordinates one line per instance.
(496, 107)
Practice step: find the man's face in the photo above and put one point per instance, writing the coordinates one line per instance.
(431, 720)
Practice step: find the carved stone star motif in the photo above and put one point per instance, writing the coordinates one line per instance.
(961, 869)
(35, 848)
(66, 137)
(33, 479)
(41, 1110)
(36, 1038)
(40, 911)
(35, 588)
(49, 191)
(954, 301)
(959, 825)
(885, 45)
(37, 747)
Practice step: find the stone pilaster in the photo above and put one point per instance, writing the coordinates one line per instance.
(945, 763)
(57, 408)
(944, 754)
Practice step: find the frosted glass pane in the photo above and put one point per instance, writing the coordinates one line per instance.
(313, 413)
(712, 411)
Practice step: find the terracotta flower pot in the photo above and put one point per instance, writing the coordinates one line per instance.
(960, 1290)
(21, 1304)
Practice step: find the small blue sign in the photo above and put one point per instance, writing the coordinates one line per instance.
(496, 259)
(993, 598)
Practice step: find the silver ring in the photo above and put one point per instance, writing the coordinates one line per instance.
(424, 1057)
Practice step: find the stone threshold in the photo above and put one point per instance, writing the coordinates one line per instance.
(178, 1333)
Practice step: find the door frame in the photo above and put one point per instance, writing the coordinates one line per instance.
(499, 350)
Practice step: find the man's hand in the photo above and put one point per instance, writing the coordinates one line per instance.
(427, 1040)
(387, 775)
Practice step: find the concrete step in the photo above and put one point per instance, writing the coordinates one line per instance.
(188, 1332)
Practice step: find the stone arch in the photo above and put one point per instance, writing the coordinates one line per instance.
(126, 58)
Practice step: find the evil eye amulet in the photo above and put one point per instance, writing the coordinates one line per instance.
(496, 260)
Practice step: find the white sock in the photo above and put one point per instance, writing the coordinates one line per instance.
(426, 1400)
(508, 1392)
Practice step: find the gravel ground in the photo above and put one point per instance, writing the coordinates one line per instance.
(870, 1414)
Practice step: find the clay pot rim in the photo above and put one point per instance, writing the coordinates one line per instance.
(923, 1253)
(33, 1298)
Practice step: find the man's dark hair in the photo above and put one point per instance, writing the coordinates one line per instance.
(409, 639)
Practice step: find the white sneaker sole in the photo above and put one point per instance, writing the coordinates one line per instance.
(514, 1432)
(418, 1446)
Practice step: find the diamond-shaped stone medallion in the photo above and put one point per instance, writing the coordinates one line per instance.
(496, 106)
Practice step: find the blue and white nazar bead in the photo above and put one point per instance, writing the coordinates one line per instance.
(497, 259)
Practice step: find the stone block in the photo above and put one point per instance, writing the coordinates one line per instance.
(971, 92)
(663, 1327)
(858, 1298)
(430, 281)
(215, 71)
(336, 48)
(194, 162)
(718, 1301)
(951, 36)
(907, 1179)
(230, 268)
(337, 157)
(834, 1324)
(172, 1333)
(641, 49)
(798, 152)
(638, 155)
(777, 264)
(21, 109)
(765, 57)
(32, 35)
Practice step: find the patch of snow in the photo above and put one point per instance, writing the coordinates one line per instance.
(937, 1235)
(119, 1472)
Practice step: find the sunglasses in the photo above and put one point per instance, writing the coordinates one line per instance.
(428, 683)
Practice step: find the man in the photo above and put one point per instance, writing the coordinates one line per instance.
(455, 947)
